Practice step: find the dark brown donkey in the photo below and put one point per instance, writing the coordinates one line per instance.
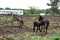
(40, 24)
(17, 18)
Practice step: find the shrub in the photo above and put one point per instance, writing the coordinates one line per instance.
(1, 38)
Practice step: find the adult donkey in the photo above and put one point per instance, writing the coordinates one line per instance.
(17, 18)
(40, 24)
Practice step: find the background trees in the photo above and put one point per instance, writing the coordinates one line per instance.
(7, 8)
(54, 6)
(1, 8)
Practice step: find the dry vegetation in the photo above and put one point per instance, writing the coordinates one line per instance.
(13, 32)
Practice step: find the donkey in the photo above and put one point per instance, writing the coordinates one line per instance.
(17, 18)
(41, 23)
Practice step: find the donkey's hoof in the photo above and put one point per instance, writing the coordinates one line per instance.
(33, 31)
(40, 31)
(45, 33)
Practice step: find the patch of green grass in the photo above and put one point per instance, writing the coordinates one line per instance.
(53, 32)
(27, 36)
(52, 35)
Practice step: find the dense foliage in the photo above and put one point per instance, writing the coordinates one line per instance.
(54, 6)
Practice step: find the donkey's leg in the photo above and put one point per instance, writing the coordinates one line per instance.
(37, 29)
(40, 28)
(11, 22)
(34, 28)
(20, 24)
(47, 27)
(46, 31)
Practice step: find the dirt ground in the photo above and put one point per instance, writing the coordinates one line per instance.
(15, 29)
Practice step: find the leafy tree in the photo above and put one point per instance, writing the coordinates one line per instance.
(47, 11)
(54, 6)
(1, 8)
(26, 12)
(7, 8)
(32, 10)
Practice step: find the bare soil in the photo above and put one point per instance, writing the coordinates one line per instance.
(16, 29)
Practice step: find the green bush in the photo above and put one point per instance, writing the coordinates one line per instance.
(56, 38)
(1, 38)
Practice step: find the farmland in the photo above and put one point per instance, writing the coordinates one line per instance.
(13, 32)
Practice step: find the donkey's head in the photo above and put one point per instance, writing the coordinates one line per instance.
(40, 18)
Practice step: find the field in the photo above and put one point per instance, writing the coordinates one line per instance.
(13, 32)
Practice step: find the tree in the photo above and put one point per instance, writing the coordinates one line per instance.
(7, 8)
(26, 12)
(54, 6)
(32, 10)
(47, 11)
(1, 8)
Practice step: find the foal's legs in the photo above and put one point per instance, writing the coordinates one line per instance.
(35, 24)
